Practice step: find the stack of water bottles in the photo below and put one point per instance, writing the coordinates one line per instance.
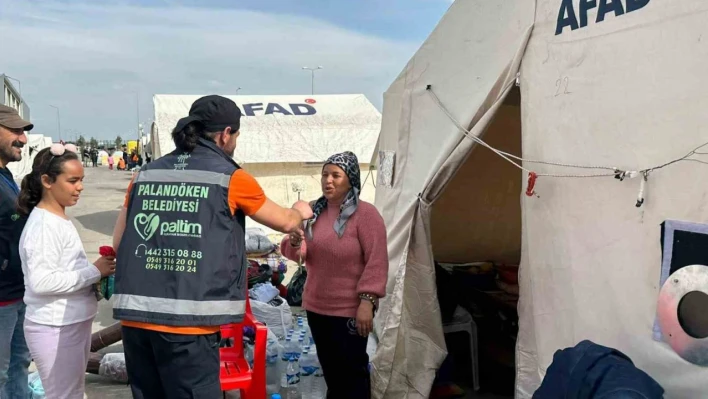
(300, 370)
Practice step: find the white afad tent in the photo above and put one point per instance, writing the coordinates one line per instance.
(285, 139)
(35, 143)
(602, 104)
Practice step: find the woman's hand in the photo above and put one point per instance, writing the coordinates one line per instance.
(106, 265)
(295, 239)
(365, 318)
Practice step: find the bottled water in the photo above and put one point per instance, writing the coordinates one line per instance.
(319, 386)
(290, 385)
(308, 332)
(272, 369)
(284, 358)
(308, 367)
(301, 345)
(300, 326)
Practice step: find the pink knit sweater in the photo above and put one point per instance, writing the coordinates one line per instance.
(339, 269)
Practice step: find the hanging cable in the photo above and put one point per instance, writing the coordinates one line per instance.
(533, 176)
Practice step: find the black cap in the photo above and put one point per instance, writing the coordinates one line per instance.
(215, 112)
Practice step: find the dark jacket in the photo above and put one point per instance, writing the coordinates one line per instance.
(12, 285)
(592, 371)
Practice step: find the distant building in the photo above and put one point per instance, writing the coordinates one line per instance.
(12, 97)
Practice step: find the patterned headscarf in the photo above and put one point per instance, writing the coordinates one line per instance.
(349, 163)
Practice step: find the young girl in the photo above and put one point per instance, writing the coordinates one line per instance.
(58, 278)
(110, 162)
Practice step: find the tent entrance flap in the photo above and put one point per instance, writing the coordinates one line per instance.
(476, 242)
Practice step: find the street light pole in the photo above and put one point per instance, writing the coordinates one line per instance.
(58, 120)
(312, 70)
(237, 90)
(137, 108)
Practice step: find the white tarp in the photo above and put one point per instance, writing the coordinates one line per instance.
(284, 128)
(622, 85)
(35, 142)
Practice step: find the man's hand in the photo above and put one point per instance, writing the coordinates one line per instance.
(365, 318)
(304, 209)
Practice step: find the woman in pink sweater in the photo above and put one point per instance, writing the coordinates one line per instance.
(347, 266)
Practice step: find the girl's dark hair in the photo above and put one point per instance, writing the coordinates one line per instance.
(186, 138)
(45, 163)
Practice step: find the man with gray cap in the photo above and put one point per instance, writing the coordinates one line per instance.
(14, 355)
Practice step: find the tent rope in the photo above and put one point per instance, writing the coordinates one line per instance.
(533, 176)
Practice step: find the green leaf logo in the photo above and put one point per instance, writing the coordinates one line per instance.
(146, 225)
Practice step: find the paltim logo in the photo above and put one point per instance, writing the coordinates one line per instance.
(146, 225)
(310, 101)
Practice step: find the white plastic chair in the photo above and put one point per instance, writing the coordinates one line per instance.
(463, 322)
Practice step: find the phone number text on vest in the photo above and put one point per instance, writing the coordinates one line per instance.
(157, 220)
(186, 261)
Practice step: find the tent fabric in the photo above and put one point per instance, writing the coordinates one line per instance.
(412, 127)
(284, 128)
(619, 86)
(35, 142)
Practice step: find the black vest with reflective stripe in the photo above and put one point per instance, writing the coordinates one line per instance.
(181, 260)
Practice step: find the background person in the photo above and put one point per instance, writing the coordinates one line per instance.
(172, 304)
(14, 355)
(347, 268)
(61, 303)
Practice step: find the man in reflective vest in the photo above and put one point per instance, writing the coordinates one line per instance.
(180, 240)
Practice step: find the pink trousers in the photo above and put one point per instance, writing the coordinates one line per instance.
(61, 355)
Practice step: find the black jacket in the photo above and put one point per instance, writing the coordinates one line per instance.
(592, 371)
(12, 285)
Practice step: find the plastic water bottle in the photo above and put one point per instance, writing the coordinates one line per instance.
(272, 371)
(291, 388)
(284, 358)
(301, 326)
(307, 371)
(319, 386)
(301, 346)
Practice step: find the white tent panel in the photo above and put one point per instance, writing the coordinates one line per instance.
(621, 86)
(470, 60)
(284, 128)
(630, 94)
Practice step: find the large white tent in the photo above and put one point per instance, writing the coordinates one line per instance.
(35, 142)
(285, 139)
(589, 85)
